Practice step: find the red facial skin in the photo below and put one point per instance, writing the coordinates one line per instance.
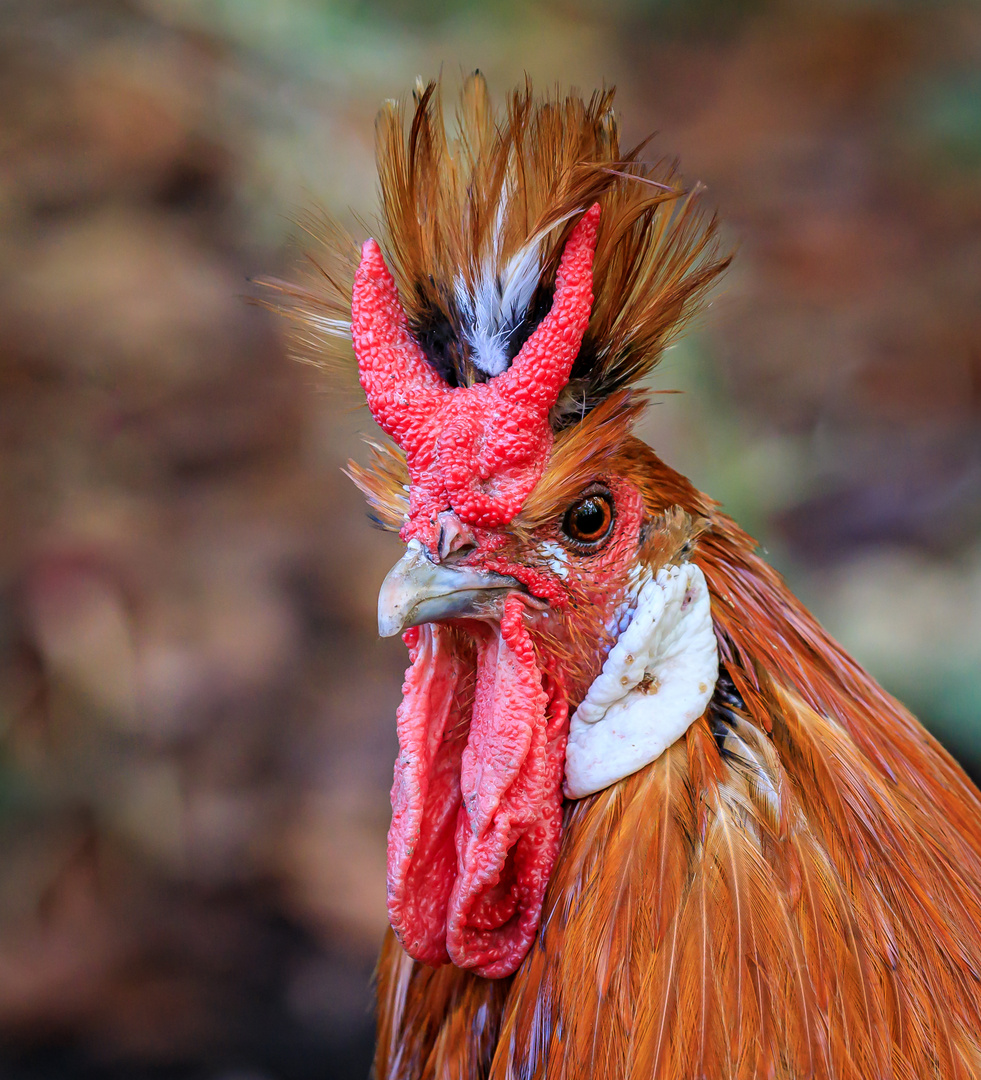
(477, 799)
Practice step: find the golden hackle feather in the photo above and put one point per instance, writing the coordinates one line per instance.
(319, 305)
(793, 890)
(384, 484)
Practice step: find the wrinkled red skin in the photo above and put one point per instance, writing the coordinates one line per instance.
(477, 799)
(476, 811)
(478, 449)
(508, 837)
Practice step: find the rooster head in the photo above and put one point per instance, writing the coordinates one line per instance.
(558, 625)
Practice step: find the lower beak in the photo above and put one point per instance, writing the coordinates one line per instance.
(417, 591)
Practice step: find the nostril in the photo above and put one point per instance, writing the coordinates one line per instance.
(455, 538)
(459, 553)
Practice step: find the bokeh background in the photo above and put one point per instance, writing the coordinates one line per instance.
(196, 717)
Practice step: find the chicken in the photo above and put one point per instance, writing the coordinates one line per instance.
(649, 820)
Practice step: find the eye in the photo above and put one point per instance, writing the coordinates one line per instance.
(589, 521)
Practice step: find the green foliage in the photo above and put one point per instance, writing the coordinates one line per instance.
(946, 117)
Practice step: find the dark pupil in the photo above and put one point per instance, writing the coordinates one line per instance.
(590, 517)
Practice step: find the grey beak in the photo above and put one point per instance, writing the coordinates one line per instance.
(418, 591)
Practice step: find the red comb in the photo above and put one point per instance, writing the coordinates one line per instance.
(478, 449)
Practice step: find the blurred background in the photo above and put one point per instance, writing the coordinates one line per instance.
(196, 717)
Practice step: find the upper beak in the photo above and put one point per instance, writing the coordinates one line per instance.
(418, 591)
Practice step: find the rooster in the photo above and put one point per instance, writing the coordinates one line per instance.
(649, 820)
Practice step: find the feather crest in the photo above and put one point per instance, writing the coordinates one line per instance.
(474, 224)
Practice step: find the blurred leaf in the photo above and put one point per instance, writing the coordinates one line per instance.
(948, 701)
(946, 116)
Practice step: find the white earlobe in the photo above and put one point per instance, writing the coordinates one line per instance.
(656, 682)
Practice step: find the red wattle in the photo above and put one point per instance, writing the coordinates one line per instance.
(426, 794)
(476, 813)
